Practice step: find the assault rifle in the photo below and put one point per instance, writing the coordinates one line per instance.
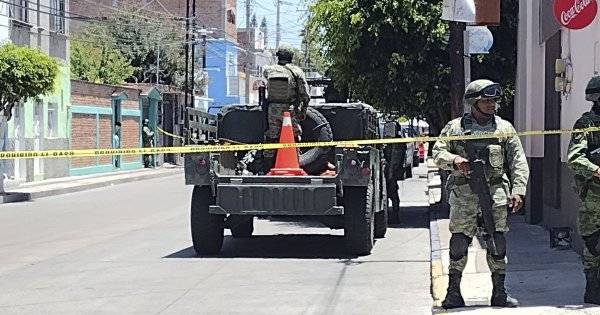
(478, 183)
(264, 104)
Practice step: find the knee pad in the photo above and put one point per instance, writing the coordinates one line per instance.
(592, 243)
(500, 242)
(459, 246)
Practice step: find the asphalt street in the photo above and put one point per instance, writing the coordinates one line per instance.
(126, 249)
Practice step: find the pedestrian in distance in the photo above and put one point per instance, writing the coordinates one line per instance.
(583, 157)
(506, 173)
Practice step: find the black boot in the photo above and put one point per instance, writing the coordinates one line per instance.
(453, 298)
(499, 295)
(268, 163)
(592, 287)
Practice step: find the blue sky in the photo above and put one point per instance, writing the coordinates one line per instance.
(293, 17)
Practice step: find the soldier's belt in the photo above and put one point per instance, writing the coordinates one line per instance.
(461, 180)
(270, 146)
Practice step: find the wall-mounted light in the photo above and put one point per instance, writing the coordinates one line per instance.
(564, 76)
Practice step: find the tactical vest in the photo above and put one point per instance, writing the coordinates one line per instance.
(491, 150)
(581, 185)
(282, 85)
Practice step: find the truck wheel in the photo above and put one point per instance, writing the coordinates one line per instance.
(381, 217)
(243, 230)
(315, 128)
(358, 219)
(207, 229)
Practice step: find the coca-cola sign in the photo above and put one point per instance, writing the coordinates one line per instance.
(575, 14)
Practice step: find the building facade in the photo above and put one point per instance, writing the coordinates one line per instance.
(555, 63)
(39, 124)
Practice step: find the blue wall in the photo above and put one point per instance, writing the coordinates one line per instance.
(221, 63)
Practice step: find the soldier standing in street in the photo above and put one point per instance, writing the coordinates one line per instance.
(584, 160)
(502, 155)
(147, 141)
(287, 92)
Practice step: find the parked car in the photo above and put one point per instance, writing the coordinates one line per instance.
(411, 132)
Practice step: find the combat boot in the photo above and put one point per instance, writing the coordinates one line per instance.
(592, 287)
(499, 295)
(268, 163)
(453, 298)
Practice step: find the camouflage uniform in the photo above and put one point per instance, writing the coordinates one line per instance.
(147, 138)
(395, 155)
(588, 188)
(503, 154)
(285, 53)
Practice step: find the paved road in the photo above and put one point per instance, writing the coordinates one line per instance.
(126, 249)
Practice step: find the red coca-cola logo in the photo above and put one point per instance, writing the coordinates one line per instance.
(575, 14)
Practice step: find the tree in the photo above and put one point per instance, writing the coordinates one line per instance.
(142, 36)
(264, 30)
(390, 54)
(99, 63)
(26, 73)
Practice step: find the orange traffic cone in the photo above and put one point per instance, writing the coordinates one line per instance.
(286, 163)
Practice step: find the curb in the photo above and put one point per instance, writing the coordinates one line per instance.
(438, 287)
(20, 196)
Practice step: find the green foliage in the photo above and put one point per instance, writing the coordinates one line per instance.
(143, 37)
(393, 54)
(99, 63)
(390, 53)
(26, 73)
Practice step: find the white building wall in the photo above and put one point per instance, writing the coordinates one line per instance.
(582, 49)
(4, 22)
(529, 99)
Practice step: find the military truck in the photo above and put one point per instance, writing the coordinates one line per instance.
(230, 189)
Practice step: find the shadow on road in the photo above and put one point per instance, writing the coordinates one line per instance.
(299, 246)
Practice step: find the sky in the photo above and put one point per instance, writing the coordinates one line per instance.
(293, 17)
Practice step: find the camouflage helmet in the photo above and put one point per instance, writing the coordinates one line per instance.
(478, 89)
(285, 50)
(592, 90)
(146, 121)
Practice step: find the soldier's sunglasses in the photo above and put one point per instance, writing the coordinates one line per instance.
(493, 90)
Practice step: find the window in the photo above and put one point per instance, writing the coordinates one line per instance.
(52, 120)
(57, 16)
(230, 16)
(19, 10)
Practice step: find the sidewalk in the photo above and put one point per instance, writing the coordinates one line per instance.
(64, 185)
(546, 281)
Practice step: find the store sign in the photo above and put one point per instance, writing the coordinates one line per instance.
(575, 14)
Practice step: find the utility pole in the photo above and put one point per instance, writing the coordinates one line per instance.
(249, 50)
(278, 26)
(457, 68)
(186, 126)
(193, 83)
(157, 64)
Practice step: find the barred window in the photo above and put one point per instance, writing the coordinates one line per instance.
(19, 10)
(57, 16)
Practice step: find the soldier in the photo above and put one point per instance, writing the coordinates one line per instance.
(395, 155)
(287, 91)
(585, 162)
(501, 155)
(147, 141)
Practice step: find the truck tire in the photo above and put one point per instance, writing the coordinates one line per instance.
(358, 220)
(381, 217)
(207, 229)
(243, 230)
(315, 128)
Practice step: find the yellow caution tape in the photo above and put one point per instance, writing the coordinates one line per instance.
(270, 146)
(169, 134)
